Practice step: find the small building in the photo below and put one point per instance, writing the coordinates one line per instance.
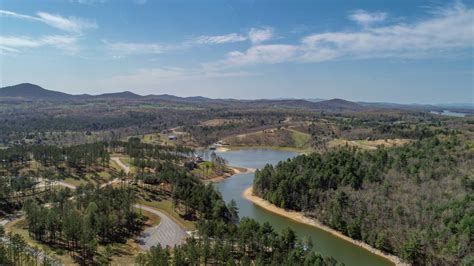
(198, 159)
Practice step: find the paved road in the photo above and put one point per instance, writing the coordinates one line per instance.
(167, 233)
(10, 218)
(122, 165)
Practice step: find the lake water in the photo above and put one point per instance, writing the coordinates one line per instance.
(449, 113)
(325, 243)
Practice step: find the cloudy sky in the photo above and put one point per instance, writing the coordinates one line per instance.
(395, 51)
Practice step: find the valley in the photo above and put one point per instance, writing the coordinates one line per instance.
(186, 163)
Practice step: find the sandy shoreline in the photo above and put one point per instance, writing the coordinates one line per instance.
(299, 217)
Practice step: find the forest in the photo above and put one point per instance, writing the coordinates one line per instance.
(94, 216)
(399, 180)
(390, 198)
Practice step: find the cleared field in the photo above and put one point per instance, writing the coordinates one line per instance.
(162, 138)
(219, 122)
(368, 144)
(276, 138)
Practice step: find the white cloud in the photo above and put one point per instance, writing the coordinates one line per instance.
(258, 35)
(14, 44)
(365, 18)
(88, 2)
(220, 39)
(270, 54)
(70, 24)
(5, 13)
(160, 76)
(121, 49)
(448, 31)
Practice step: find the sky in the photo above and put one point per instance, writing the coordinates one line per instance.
(400, 51)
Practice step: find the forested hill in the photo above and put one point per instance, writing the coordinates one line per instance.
(415, 201)
(35, 93)
(32, 91)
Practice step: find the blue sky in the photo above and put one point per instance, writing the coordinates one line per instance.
(394, 51)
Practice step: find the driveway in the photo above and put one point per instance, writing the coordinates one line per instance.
(167, 233)
(125, 168)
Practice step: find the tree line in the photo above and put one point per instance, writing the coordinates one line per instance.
(95, 216)
(414, 200)
(220, 242)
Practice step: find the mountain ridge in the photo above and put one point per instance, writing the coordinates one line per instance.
(32, 92)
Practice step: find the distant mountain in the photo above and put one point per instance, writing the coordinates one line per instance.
(457, 105)
(35, 92)
(121, 95)
(339, 105)
(315, 100)
(32, 91)
(172, 98)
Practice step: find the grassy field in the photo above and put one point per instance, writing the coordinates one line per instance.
(301, 140)
(286, 139)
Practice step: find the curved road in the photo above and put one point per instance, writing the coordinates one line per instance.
(167, 233)
(125, 168)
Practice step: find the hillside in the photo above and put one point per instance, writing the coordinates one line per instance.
(28, 91)
(413, 200)
(32, 91)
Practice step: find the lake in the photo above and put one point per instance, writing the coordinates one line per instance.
(449, 113)
(324, 243)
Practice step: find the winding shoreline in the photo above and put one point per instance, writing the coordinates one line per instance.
(299, 217)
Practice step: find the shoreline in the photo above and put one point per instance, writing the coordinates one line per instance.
(235, 170)
(301, 218)
(269, 147)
